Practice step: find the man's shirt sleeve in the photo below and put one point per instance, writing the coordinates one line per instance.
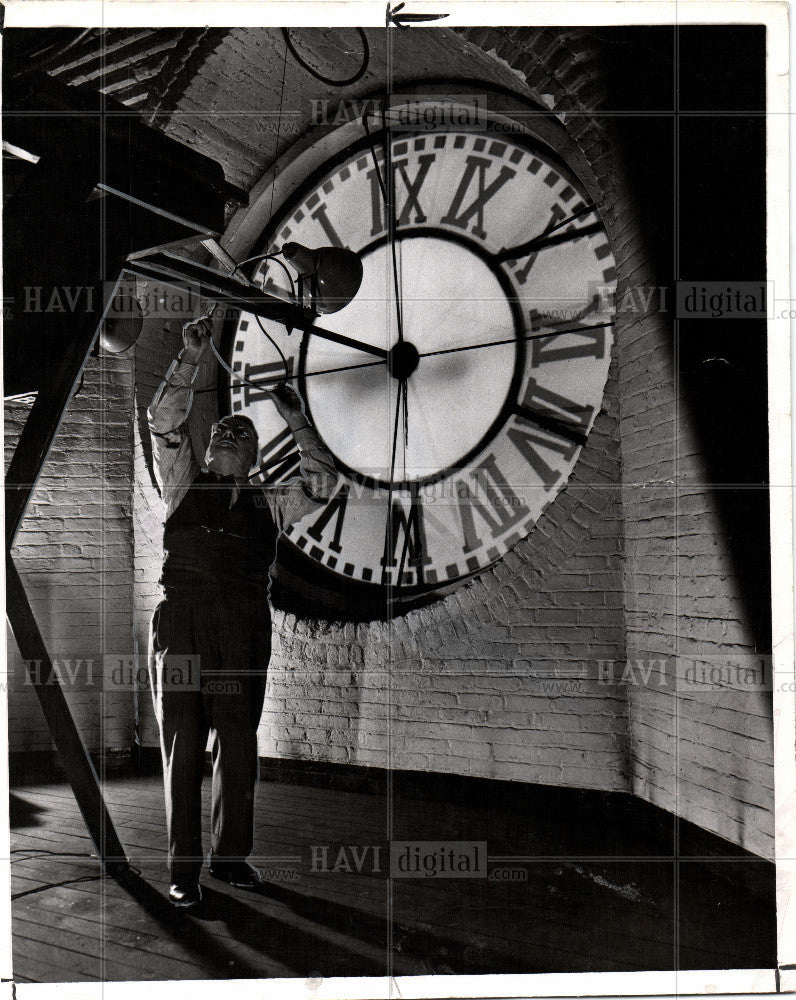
(175, 465)
(310, 489)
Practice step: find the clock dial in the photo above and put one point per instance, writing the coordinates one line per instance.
(504, 280)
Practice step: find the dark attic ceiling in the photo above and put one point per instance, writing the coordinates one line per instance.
(202, 86)
(136, 66)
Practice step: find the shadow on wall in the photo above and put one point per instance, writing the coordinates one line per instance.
(720, 364)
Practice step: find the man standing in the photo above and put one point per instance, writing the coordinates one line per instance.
(219, 543)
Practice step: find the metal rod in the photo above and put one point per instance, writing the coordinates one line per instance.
(150, 207)
(212, 285)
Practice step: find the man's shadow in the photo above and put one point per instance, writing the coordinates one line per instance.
(305, 952)
(22, 813)
(213, 955)
(269, 926)
(416, 951)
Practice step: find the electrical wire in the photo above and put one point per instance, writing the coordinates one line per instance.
(225, 366)
(269, 256)
(31, 852)
(56, 885)
(278, 348)
(264, 256)
(208, 316)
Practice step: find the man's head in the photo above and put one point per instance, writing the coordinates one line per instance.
(233, 447)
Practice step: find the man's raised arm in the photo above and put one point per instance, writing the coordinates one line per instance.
(317, 475)
(175, 465)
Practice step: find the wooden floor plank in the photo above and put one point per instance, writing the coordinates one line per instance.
(409, 897)
(30, 954)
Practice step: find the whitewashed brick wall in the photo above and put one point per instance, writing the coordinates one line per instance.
(706, 754)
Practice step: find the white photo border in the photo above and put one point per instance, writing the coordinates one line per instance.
(366, 13)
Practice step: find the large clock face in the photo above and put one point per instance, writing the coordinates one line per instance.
(450, 452)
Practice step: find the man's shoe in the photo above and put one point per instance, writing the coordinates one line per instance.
(238, 873)
(185, 894)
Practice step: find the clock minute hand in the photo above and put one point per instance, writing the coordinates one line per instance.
(581, 328)
(547, 238)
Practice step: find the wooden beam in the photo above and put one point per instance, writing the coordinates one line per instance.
(77, 764)
(61, 239)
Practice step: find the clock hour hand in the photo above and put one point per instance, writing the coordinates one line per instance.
(339, 338)
(294, 316)
(551, 236)
(296, 319)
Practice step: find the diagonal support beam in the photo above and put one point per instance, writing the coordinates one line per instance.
(74, 755)
(24, 470)
(65, 238)
(176, 272)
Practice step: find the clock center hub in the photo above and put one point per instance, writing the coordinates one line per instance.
(404, 358)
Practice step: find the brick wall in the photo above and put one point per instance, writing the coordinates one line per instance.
(74, 554)
(706, 755)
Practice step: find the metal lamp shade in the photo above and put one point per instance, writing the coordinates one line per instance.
(335, 273)
(123, 322)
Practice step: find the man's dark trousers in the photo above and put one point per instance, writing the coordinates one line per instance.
(228, 643)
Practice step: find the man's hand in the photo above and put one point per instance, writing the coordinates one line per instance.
(195, 337)
(286, 399)
(289, 403)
